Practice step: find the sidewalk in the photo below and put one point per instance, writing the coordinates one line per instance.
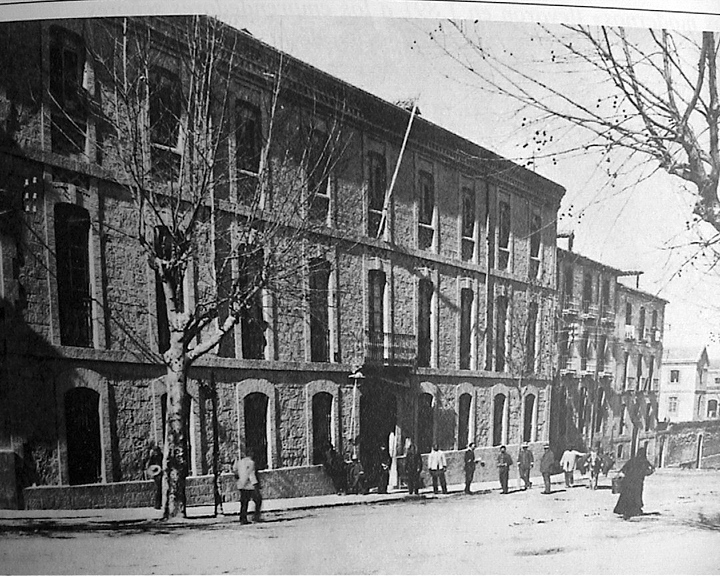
(97, 517)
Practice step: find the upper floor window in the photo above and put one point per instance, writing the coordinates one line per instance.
(712, 409)
(628, 314)
(466, 306)
(426, 210)
(69, 113)
(568, 285)
(165, 112)
(377, 187)
(248, 149)
(606, 293)
(72, 230)
(426, 290)
(503, 235)
(531, 337)
(252, 318)
(376, 302)
(468, 223)
(674, 375)
(501, 317)
(318, 176)
(641, 323)
(319, 310)
(673, 404)
(535, 235)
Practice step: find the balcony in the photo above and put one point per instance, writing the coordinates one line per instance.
(570, 306)
(607, 316)
(569, 365)
(587, 366)
(655, 336)
(390, 349)
(629, 332)
(589, 310)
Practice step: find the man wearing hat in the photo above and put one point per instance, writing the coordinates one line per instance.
(546, 465)
(154, 472)
(504, 461)
(525, 463)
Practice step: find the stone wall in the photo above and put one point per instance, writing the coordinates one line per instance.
(679, 444)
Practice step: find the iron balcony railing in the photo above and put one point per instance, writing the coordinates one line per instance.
(390, 349)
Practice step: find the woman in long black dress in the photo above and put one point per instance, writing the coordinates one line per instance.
(633, 474)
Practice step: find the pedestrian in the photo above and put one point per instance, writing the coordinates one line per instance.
(249, 486)
(568, 461)
(356, 477)
(594, 464)
(525, 463)
(155, 473)
(335, 468)
(633, 475)
(470, 463)
(384, 462)
(437, 466)
(547, 463)
(413, 467)
(504, 461)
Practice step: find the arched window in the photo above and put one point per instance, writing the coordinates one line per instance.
(581, 410)
(528, 417)
(464, 405)
(82, 432)
(256, 427)
(712, 408)
(498, 419)
(322, 425)
(426, 422)
(600, 410)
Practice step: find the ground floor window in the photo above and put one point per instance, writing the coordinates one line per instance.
(322, 425)
(498, 419)
(464, 416)
(528, 418)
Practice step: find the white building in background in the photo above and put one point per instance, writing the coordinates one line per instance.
(689, 386)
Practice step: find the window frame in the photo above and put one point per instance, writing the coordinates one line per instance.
(503, 233)
(535, 244)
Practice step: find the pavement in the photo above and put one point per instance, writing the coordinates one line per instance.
(96, 517)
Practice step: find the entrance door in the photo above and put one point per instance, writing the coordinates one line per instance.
(378, 418)
(82, 433)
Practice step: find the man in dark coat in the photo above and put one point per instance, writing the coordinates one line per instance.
(356, 477)
(384, 463)
(470, 462)
(633, 475)
(525, 463)
(154, 472)
(504, 461)
(546, 465)
(335, 468)
(413, 467)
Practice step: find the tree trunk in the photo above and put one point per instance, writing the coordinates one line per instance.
(175, 449)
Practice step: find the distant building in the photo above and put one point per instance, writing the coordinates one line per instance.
(690, 389)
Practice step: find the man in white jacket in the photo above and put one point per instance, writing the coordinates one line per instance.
(249, 486)
(568, 461)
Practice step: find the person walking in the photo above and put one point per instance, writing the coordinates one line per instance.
(470, 462)
(594, 464)
(504, 461)
(525, 464)
(630, 502)
(568, 461)
(547, 462)
(413, 467)
(155, 472)
(384, 473)
(437, 466)
(356, 477)
(249, 486)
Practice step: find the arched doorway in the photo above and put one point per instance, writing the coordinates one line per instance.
(464, 405)
(322, 425)
(528, 414)
(426, 422)
(378, 418)
(82, 433)
(256, 427)
(498, 419)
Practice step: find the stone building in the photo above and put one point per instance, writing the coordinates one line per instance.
(432, 328)
(609, 357)
(690, 385)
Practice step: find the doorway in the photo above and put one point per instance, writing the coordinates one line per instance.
(378, 419)
(82, 433)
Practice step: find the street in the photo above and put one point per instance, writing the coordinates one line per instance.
(570, 531)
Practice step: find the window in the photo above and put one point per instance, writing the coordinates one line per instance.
(503, 241)
(426, 290)
(528, 414)
(464, 415)
(501, 333)
(587, 296)
(648, 417)
(322, 425)
(377, 187)
(376, 309)
(224, 280)
(712, 408)
(641, 324)
(165, 106)
(468, 224)
(466, 305)
(72, 230)
(426, 422)
(318, 176)
(602, 351)
(674, 375)
(606, 293)
(319, 310)
(530, 338)
(252, 322)
(426, 212)
(535, 234)
(582, 410)
(499, 420)
(255, 409)
(638, 382)
(672, 405)
(620, 451)
(599, 409)
(626, 367)
(621, 428)
(248, 146)
(82, 431)
(568, 286)
(651, 373)
(69, 113)
(654, 326)
(628, 314)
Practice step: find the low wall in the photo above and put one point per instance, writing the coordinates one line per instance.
(282, 483)
(680, 443)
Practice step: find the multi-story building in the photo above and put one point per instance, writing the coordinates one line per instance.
(432, 328)
(690, 386)
(609, 353)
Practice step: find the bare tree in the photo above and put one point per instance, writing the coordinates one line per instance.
(223, 193)
(630, 95)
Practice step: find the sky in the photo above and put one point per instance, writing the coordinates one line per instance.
(385, 47)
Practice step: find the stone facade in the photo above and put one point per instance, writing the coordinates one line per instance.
(462, 360)
(689, 445)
